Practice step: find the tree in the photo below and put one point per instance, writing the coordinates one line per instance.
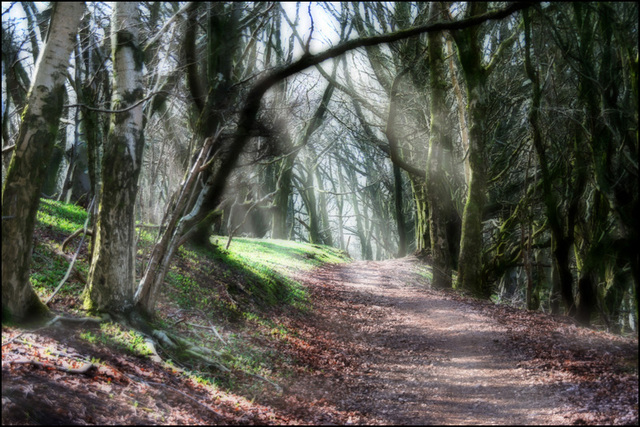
(190, 216)
(476, 74)
(440, 151)
(112, 273)
(25, 176)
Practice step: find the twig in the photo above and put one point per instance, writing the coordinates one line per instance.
(54, 352)
(75, 234)
(209, 327)
(13, 339)
(75, 256)
(308, 46)
(177, 322)
(164, 28)
(124, 110)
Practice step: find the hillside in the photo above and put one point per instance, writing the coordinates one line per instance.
(234, 303)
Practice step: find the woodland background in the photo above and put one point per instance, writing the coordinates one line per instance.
(499, 141)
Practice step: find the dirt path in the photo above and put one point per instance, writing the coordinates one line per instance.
(426, 357)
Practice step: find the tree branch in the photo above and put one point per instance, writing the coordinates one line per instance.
(124, 110)
(251, 106)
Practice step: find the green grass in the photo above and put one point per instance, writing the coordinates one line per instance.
(114, 335)
(60, 216)
(281, 255)
(257, 274)
(262, 268)
(56, 220)
(238, 288)
(47, 269)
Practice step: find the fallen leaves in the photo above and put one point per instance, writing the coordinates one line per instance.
(334, 357)
(600, 369)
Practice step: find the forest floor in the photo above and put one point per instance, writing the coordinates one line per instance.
(433, 357)
(378, 347)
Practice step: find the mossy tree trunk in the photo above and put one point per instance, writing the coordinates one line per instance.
(606, 132)
(468, 42)
(470, 260)
(440, 146)
(399, 215)
(112, 273)
(325, 226)
(421, 226)
(280, 207)
(27, 170)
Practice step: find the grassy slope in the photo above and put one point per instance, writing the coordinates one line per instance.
(242, 291)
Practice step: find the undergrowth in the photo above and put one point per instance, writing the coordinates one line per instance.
(240, 291)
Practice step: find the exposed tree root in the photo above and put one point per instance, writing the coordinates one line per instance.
(211, 328)
(63, 319)
(57, 319)
(171, 342)
(76, 233)
(199, 353)
(52, 352)
(154, 353)
(86, 369)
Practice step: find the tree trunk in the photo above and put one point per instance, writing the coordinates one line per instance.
(470, 55)
(440, 144)
(325, 226)
(26, 173)
(281, 200)
(308, 194)
(422, 234)
(156, 270)
(402, 228)
(470, 261)
(561, 242)
(464, 131)
(112, 273)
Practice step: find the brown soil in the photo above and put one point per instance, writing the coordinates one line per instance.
(379, 347)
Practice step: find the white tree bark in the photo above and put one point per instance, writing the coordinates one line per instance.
(26, 173)
(112, 273)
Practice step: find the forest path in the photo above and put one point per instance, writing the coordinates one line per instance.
(427, 358)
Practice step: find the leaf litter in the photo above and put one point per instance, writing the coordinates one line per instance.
(378, 347)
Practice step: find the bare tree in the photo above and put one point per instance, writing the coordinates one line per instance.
(36, 137)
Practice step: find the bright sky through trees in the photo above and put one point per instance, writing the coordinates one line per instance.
(325, 30)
